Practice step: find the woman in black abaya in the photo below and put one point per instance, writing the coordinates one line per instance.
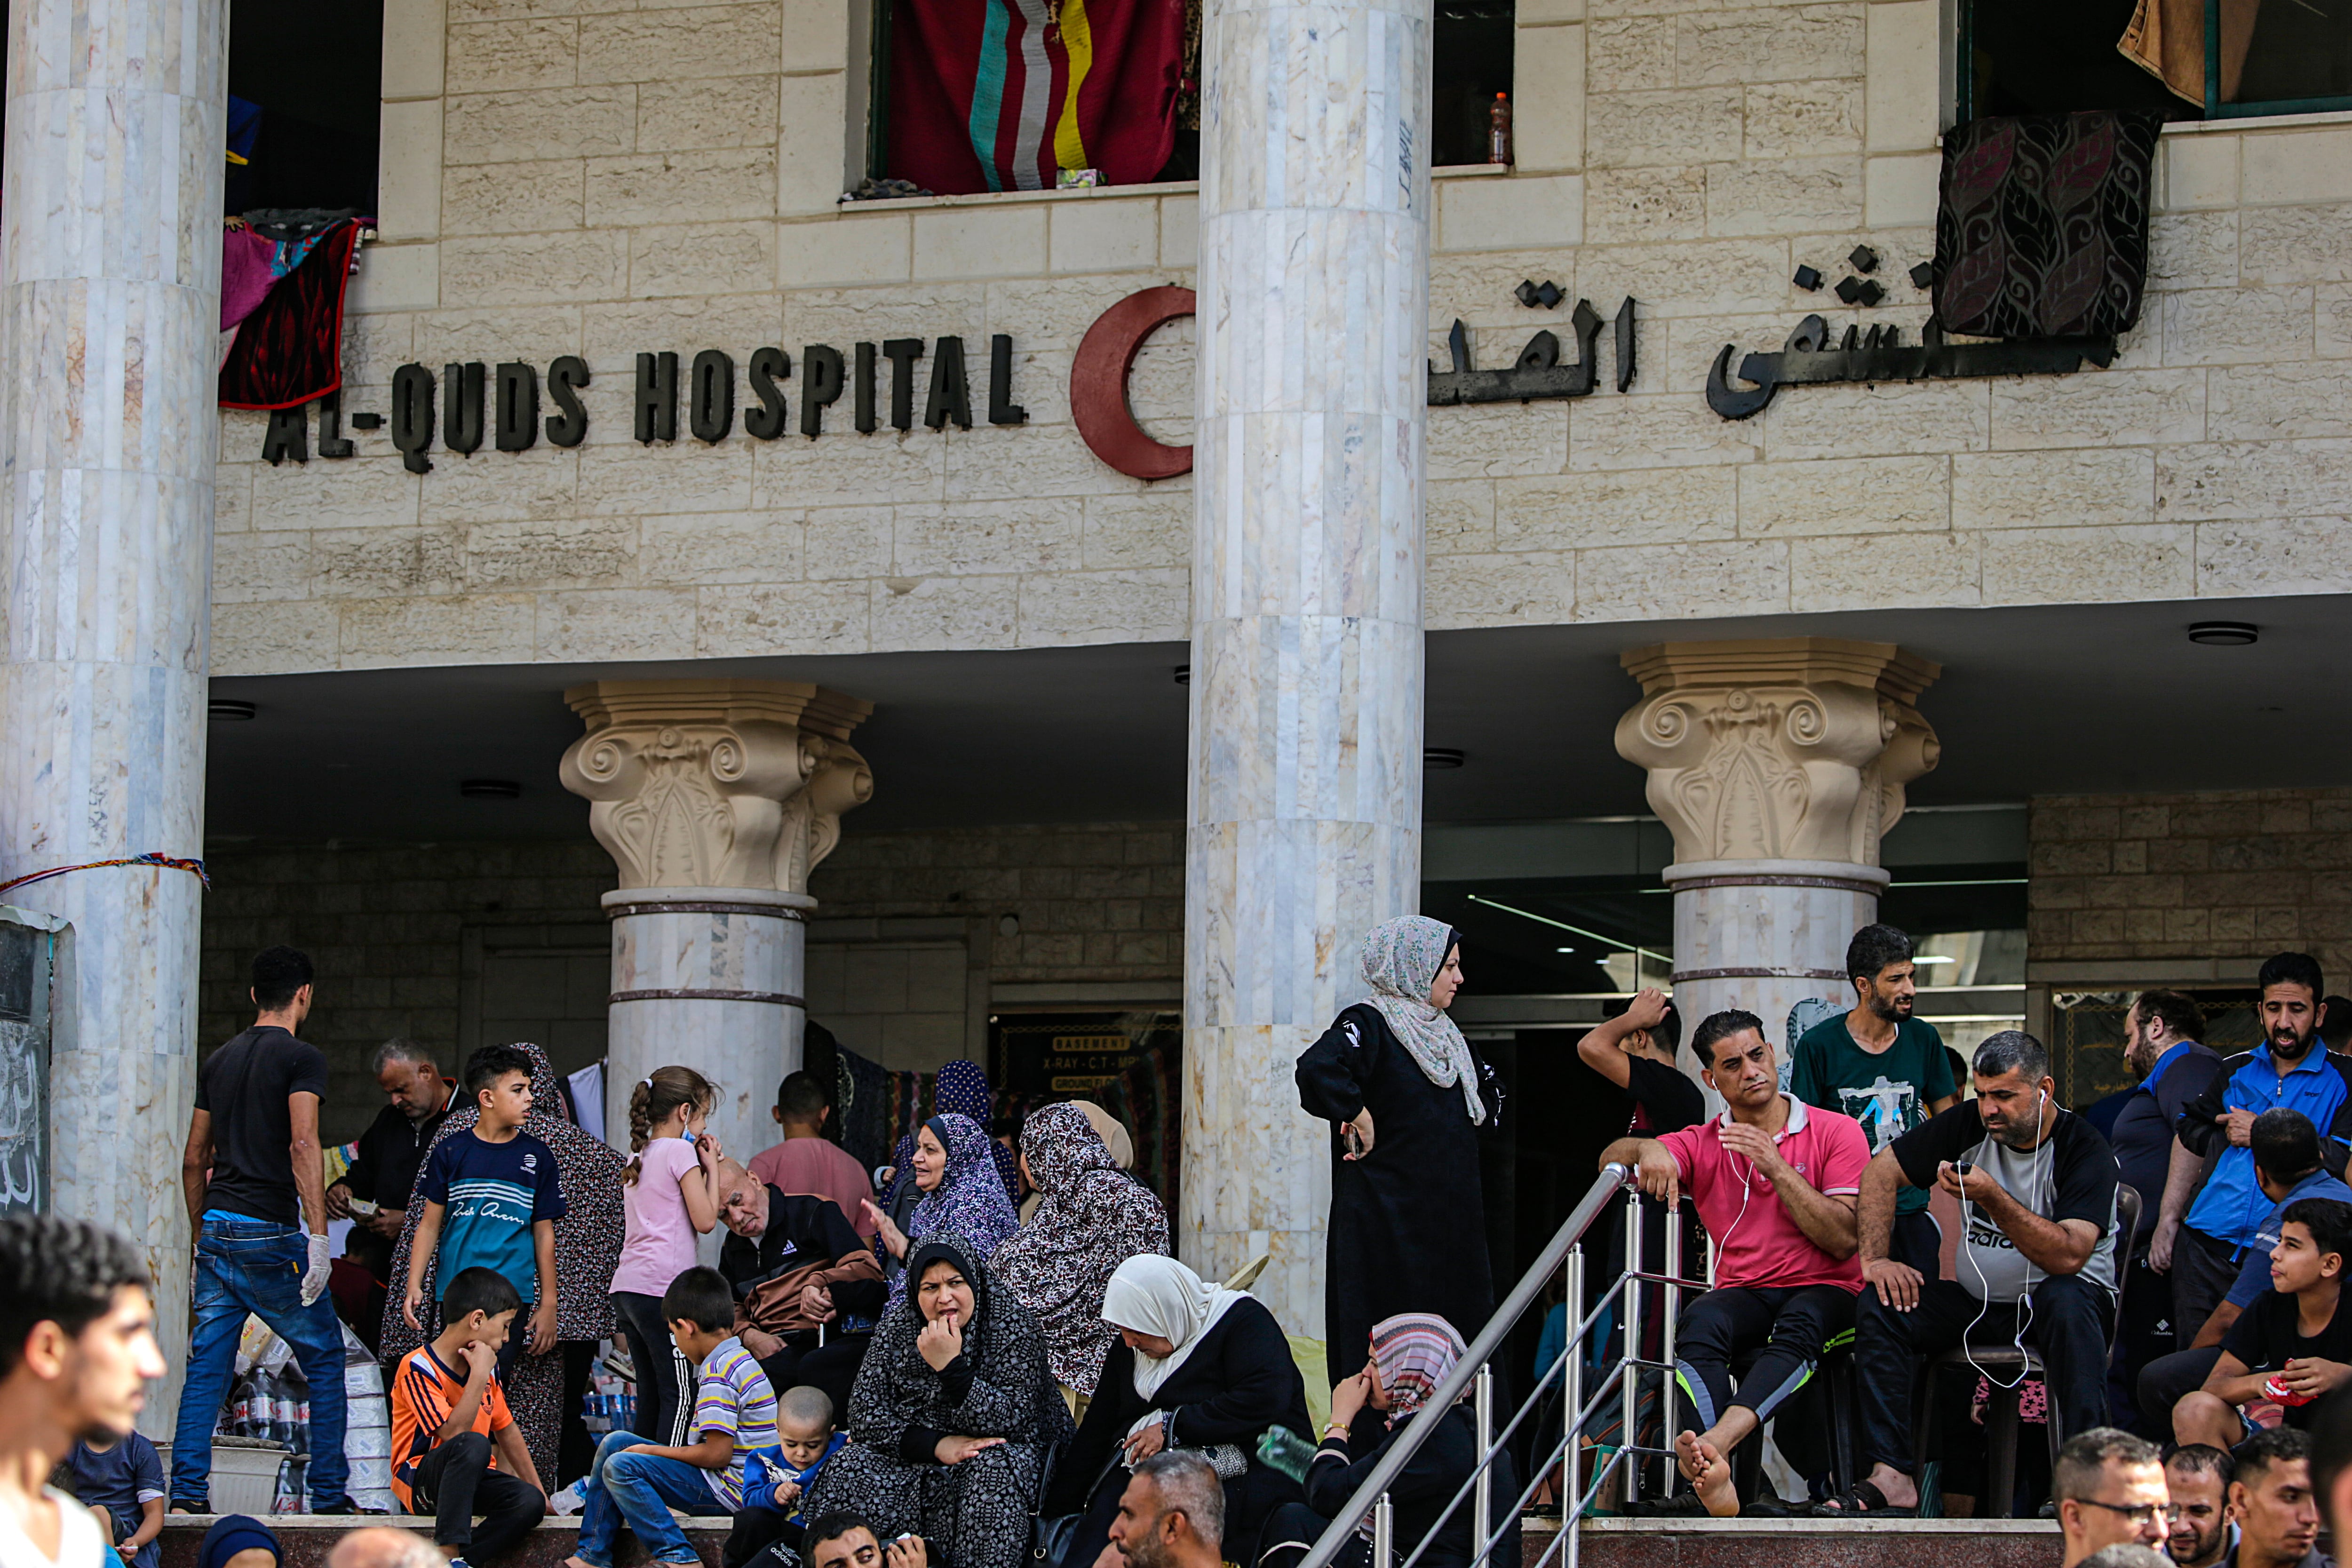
(1407, 1099)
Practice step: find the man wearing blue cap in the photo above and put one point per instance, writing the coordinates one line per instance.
(238, 1541)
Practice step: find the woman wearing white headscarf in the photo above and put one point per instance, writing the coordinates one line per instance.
(1196, 1366)
(1408, 1101)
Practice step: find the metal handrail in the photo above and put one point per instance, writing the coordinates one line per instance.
(1371, 1497)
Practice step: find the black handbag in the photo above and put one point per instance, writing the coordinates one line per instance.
(1052, 1536)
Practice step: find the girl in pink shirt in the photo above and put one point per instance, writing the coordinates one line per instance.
(669, 1196)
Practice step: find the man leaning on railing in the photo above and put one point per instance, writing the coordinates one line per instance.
(1775, 1182)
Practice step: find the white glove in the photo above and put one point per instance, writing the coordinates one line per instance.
(314, 1278)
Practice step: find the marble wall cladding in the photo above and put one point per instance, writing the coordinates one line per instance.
(745, 1043)
(1780, 943)
(1304, 801)
(110, 299)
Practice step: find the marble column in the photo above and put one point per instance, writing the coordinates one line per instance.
(715, 798)
(110, 266)
(1304, 803)
(1779, 765)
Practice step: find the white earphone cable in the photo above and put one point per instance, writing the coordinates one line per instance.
(1984, 1286)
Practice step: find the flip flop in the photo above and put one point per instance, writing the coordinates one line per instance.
(1861, 1500)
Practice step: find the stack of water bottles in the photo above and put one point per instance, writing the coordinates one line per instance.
(367, 1429)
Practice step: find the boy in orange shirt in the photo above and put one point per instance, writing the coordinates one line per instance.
(448, 1416)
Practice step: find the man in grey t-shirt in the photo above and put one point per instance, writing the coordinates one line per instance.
(2037, 1266)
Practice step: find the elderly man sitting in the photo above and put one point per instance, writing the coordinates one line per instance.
(807, 1291)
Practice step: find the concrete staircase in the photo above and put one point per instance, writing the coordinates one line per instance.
(1607, 1543)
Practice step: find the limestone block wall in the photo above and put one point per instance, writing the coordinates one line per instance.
(1090, 905)
(599, 180)
(1087, 901)
(385, 928)
(2183, 888)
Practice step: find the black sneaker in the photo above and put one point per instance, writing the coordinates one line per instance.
(1682, 1505)
(346, 1505)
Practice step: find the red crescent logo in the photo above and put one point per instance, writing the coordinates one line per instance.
(1098, 384)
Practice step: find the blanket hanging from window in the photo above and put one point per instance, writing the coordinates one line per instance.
(1001, 95)
(2041, 231)
(290, 349)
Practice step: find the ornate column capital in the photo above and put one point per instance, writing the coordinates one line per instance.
(1791, 749)
(716, 784)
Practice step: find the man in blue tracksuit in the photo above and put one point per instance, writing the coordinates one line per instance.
(2290, 1069)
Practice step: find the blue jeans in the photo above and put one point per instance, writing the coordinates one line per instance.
(639, 1491)
(255, 1266)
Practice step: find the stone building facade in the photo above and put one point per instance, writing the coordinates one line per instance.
(1765, 638)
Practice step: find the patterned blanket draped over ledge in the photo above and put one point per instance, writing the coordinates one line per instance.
(2042, 229)
(1001, 95)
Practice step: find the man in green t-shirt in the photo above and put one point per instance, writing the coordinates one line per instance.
(1884, 1067)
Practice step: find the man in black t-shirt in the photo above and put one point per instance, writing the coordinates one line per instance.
(384, 1170)
(254, 1174)
(2294, 1344)
(1636, 1051)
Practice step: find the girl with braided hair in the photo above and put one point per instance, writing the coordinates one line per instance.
(669, 1196)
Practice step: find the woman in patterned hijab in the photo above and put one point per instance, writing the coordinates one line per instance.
(1412, 1354)
(1400, 960)
(969, 1200)
(961, 1087)
(587, 1250)
(1093, 1217)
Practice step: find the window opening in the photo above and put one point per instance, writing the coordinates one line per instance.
(306, 91)
(2193, 59)
(1471, 66)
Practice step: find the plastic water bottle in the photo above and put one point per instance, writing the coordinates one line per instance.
(1498, 130)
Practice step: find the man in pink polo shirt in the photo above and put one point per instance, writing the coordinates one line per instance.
(1775, 1180)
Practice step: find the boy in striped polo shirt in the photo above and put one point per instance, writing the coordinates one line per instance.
(638, 1483)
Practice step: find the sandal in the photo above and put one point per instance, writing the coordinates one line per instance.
(1861, 1500)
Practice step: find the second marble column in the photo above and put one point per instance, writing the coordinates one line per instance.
(1304, 813)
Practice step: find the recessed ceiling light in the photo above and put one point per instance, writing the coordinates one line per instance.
(228, 709)
(1563, 949)
(2225, 634)
(1933, 958)
(1441, 757)
(489, 789)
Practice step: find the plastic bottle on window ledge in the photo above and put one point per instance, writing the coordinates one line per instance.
(1498, 130)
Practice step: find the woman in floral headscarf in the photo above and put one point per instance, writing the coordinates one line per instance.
(545, 1389)
(1408, 1100)
(1093, 1217)
(1412, 1355)
(963, 1194)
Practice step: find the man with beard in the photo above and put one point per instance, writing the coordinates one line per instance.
(2272, 1503)
(1882, 1067)
(2197, 1476)
(807, 1291)
(2288, 1070)
(2163, 1035)
(77, 1351)
(2036, 1185)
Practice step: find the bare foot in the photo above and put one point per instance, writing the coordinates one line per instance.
(1712, 1482)
(1686, 1454)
